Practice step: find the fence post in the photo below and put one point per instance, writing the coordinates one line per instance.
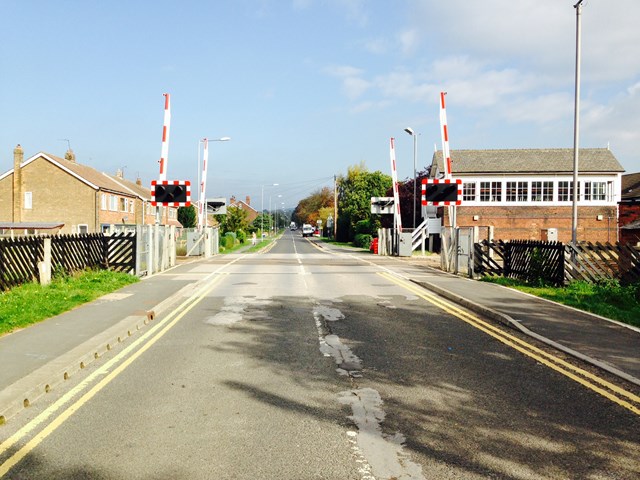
(44, 267)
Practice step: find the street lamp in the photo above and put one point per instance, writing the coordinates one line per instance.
(262, 206)
(202, 215)
(415, 153)
(576, 127)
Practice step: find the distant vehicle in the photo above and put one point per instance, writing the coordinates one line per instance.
(293, 226)
(307, 230)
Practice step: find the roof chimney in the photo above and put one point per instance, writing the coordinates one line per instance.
(248, 200)
(18, 157)
(139, 181)
(120, 173)
(70, 156)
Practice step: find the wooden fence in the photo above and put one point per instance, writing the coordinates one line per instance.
(557, 262)
(19, 257)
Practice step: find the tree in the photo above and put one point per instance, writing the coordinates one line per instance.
(187, 216)
(354, 199)
(236, 220)
(309, 209)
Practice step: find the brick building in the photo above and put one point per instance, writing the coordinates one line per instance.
(252, 213)
(630, 209)
(46, 189)
(522, 194)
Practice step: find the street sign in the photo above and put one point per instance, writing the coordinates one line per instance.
(217, 206)
(382, 205)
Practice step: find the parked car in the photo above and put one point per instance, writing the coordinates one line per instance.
(307, 230)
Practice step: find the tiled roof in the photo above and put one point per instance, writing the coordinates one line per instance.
(631, 186)
(521, 161)
(139, 190)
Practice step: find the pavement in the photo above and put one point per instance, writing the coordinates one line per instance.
(36, 359)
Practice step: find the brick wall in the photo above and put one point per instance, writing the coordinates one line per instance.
(57, 197)
(6, 199)
(629, 212)
(527, 223)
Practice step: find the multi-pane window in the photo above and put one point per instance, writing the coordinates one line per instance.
(595, 191)
(565, 191)
(103, 201)
(496, 191)
(113, 203)
(469, 191)
(541, 191)
(485, 191)
(517, 191)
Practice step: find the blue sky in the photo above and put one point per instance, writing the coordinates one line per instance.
(306, 88)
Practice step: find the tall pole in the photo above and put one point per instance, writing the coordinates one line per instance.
(415, 159)
(576, 126)
(335, 207)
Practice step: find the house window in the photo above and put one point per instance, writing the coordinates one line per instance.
(83, 228)
(485, 191)
(523, 191)
(511, 191)
(113, 203)
(131, 205)
(469, 191)
(103, 201)
(28, 200)
(565, 191)
(124, 204)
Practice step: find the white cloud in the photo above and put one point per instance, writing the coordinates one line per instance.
(409, 41)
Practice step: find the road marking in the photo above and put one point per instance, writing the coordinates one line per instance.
(164, 326)
(571, 371)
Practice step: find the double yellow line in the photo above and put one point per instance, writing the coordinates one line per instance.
(608, 390)
(108, 372)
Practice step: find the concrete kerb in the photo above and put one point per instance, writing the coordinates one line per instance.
(27, 390)
(510, 322)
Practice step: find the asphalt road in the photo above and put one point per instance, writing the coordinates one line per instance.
(301, 363)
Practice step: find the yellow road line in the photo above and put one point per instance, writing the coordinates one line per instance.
(166, 324)
(530, 350)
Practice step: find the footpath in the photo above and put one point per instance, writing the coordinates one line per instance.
(39, 357)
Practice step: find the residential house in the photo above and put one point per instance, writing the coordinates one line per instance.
(46, 189)
(252, 213)
(630, 209)
(528, 193)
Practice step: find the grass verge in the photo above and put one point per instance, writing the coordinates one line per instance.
(31, 303)
(608, 299)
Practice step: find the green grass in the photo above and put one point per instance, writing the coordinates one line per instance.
(31, 303)
(608, 299)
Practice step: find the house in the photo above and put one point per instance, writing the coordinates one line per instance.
(629, 208)
(528, 193)
(46, 189)
(252, 213)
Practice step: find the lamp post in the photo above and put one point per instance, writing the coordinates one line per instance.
(262, 206)
(415, 153)
(576, 126)
(202, 182)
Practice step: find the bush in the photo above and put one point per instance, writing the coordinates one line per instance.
(229, 240)
(362, 240)
(363, 227)
(241, 236)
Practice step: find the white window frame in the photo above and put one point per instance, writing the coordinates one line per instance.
(28, 200)
(83, 226)
(113, 203)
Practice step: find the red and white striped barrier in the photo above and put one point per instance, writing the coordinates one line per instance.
(396, 196)
(164, 155)
(202, 199)
(445, 136)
